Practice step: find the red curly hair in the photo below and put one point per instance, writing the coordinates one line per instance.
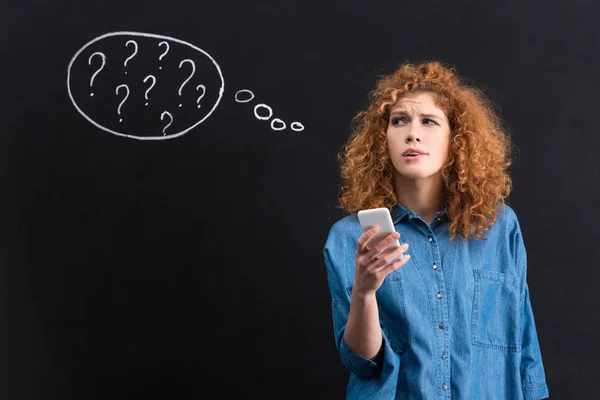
(475, 177)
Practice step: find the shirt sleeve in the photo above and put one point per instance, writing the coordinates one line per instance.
(532, 368)
(533, 377)
(364, 368)
(340, 277)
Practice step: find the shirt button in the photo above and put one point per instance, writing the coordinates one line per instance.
(441, 325)
(430, 239)
(439, 296)
(444, 356)
(444, 386)
(434, 266)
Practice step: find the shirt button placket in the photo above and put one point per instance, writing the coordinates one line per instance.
(441, 325)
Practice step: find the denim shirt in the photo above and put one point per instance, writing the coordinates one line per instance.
(456, 319)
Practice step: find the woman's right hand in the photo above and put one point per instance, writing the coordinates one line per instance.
(374, 261)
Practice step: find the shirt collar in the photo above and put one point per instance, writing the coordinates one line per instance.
(399, 212)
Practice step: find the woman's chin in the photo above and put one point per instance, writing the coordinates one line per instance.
(412, 175)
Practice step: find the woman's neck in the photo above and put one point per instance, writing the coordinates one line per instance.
(421, 196)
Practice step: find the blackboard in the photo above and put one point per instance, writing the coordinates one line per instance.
(165, 251)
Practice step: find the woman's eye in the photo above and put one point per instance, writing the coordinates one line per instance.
(399, 120)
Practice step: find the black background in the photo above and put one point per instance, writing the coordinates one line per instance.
(167, 268)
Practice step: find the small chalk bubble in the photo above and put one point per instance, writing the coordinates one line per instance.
(262, 105)
(91, 94)
(121, 120)
(199, 105)
(146, 103)
(180, 105)
(297, 126)
(277, 121)
(246, 91)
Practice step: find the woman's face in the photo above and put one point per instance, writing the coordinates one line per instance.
(416, 122)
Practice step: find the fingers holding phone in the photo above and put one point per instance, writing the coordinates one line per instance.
(378, 250)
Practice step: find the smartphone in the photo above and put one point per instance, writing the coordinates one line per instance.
(380, 217)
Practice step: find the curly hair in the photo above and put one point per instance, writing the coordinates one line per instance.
(475, 177)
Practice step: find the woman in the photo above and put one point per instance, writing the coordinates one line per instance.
(454, 318)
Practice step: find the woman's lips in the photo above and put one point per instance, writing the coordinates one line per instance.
(414, 158)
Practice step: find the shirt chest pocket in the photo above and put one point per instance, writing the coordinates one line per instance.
(496, 311)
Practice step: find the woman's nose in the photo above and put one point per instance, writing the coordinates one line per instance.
(413, 133)
(411, 137)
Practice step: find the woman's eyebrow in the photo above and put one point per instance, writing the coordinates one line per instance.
(426, 115)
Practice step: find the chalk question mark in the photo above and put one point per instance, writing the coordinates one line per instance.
(123, 101)
(202, 95)
(162, 116)
(151, 86)
(166, 51)
(189, 77)
(135, 50)
(103, 57)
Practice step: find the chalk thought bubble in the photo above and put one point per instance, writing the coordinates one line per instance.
(144, 86)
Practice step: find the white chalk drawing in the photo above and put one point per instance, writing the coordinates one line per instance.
(151, 86)
(297, 126)
(103, 57)
(277, 121)
(210, 91)
(162, 116)
(237, 98)
(135, 50)
(124, 99)
(189, 77)
(262, 117)
(202, 95)
(163, 43)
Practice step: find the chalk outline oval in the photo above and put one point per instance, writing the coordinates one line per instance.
(260, 117)
(154, 36)
(297, 129)
(243, 101)
(277, 120)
